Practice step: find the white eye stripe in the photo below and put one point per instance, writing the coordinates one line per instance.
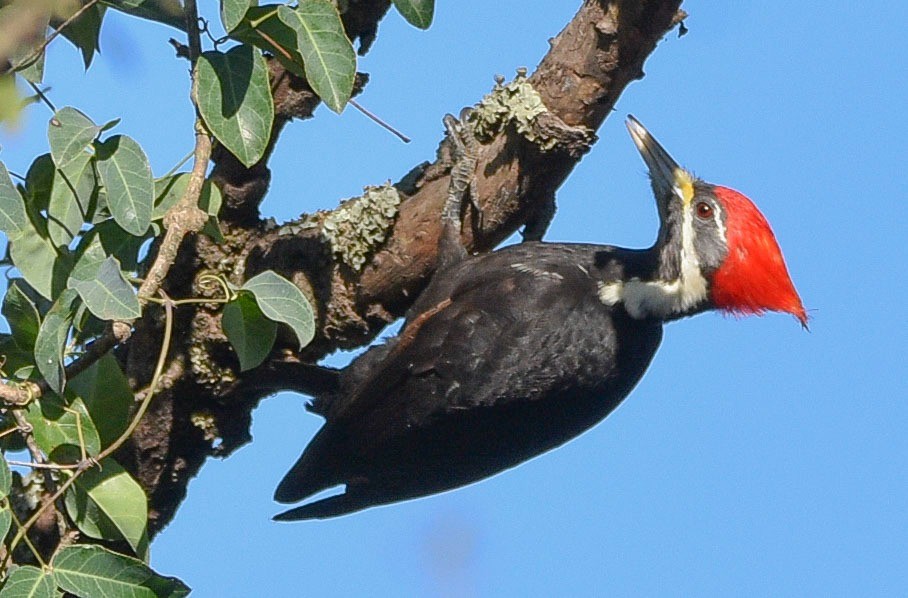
(720, 223)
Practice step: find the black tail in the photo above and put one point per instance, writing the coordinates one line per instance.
(314, 471)
(332, 506)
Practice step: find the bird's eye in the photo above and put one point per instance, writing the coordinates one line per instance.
(704, 210)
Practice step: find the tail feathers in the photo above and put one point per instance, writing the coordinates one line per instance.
(333, 506)
(313, 472)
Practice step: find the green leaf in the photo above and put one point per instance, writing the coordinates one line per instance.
(123, 4)
(250, 333)
(6, 521)
(6, 482)
(56, 424)
(108, 504)
(328, 55)
(52, 337)
(106, 294)
(235, 100)
(91, 256)
(70, 133)
(107, 395)
(96, 571)
(29, 582)
(41, 264)
(126, 174)
(169, 12)
(84, 32)
(73, 198)
(169, 190)
(282, 301)
(110, 124)
(39, 182)
(271, 35)
(13, 217)
(233, 11)
(115, 241)
(22, 315)
(417, 12)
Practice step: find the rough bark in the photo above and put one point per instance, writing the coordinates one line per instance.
(205, 406)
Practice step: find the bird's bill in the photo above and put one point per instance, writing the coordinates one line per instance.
(668, 178)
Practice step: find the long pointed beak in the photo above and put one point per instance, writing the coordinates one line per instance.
(668, 178)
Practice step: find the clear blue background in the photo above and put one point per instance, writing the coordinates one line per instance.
(754, 458)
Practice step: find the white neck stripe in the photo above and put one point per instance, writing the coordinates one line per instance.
(662, 298)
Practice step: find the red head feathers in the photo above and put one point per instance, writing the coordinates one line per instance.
(753, 278)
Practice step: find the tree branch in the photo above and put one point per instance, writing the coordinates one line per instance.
(590, 63)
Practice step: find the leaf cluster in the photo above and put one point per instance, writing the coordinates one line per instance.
(79, 224)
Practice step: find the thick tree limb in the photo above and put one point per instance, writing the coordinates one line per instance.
(590, 63)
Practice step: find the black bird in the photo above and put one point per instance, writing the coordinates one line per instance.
(509, 354)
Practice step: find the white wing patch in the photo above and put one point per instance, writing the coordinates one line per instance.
(537, 272)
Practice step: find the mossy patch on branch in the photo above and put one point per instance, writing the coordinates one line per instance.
(361, 224)
(515, 102)
(519, 103)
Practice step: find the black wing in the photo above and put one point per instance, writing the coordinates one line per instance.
(504, 356)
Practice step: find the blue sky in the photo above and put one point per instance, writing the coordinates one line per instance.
(754, 458)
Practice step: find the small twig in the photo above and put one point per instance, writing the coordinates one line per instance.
(31, 58)
(25, 429)
(55, 466)
(43, 97)
(95, 351)
(27, 540)
(199, 301)
(179, 165)
(23, 529)
(352, 102)
(203, 281)
(10, 431)
(82, 452)
(378, 120)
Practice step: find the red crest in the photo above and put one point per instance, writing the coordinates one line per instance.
(753, 278)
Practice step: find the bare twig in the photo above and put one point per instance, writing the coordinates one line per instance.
(25, 429)
(54, 466)
(42, 96)
(374, 117)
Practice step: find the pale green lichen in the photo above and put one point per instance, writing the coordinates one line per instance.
(515, 102)
(205, 369)
(361, 224)
(206, 422)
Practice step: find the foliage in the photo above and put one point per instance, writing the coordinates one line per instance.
(78, 226)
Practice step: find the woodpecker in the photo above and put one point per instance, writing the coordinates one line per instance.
(509, 354)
